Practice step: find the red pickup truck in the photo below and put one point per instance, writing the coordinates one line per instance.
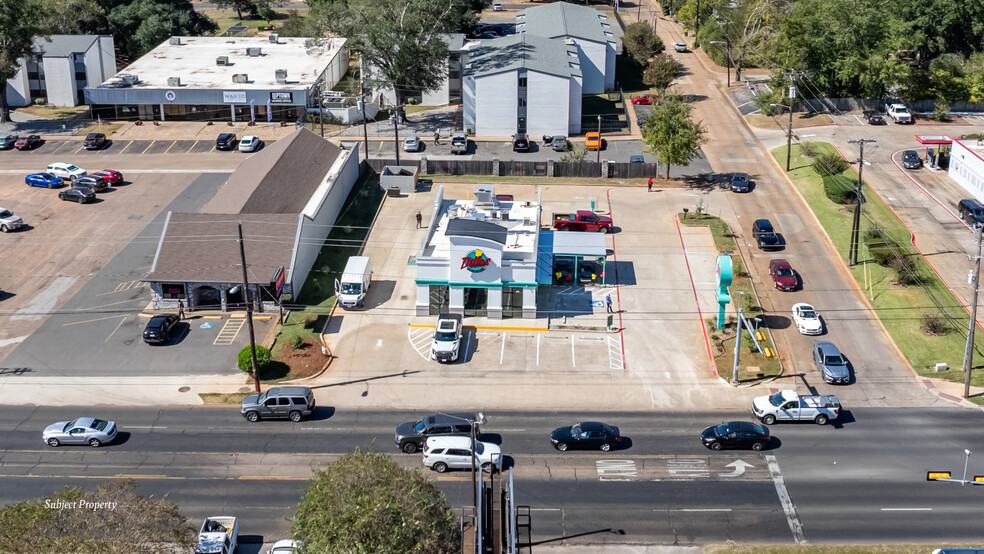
(583, 220)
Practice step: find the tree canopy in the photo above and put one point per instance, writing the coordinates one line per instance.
(661, 72)
(671, 134)
(21, 21)
(365, 503)
(641, 42)
(138, 26)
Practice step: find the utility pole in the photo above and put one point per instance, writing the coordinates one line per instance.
(727, 50)
(969, 351)
(362, 106)
(249, 310)
(394, 119)
(789, 132)
(734, 371)
(859, 193)
(599, 139)
(697, 25)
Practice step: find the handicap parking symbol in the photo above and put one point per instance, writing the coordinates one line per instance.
(206, 325)
(597, 303)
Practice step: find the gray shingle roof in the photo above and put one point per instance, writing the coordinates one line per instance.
(59, 46)
(205, 247)
(532, 52)
(279, 179)
(561, 19)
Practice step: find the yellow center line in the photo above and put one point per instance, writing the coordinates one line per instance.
(116, 329)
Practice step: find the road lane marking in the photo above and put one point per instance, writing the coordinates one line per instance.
(502, 351)
(694, 509)
(907, 509)
(688, 467)
(787, 503)
(420, 340)
(616, 470)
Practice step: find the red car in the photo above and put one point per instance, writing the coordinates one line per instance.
(782, 275)
(27, 142)
(114, 177)
(645, 99)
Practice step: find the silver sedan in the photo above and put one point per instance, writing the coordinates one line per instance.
(84, 430)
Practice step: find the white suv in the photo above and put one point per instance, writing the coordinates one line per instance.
(444, 453)
(66, 171)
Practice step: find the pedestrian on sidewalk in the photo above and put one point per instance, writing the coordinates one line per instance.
(437, 136)
(420, 219)
(649, 185)
(608, 303)
(181, 310)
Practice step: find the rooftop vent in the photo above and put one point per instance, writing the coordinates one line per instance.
(484, 194)
(174, 81)
(174, 41)
(274, 38)
(129, 79)
(253, 52)
(281, 75)
(240, 78)
(222, 60)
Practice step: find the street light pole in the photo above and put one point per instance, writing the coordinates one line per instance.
(249, 310)
(789, 132)
(599, 139)
(859, 193)
(362, 106)
(969, 351)
(727, 50)
(396, 136)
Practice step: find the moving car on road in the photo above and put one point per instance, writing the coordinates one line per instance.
(250, 143)
(293, 403)
(783, 276)
(9, 221)
(447, 338)
(97, 184)
(411, 436)
(736, 434)
(27, 142)
(831, 363)
(806, 319)
(588, 435)
(765, 234)
(46, 180)
(739, 182)
(94, 141)
(114, 177)
(788, 405)
(911, 160)
(158, 329)
(66, 171)
(84, 430)
(78, 194)
(444, 453)
(680, 46)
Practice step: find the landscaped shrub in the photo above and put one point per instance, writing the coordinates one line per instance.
(839, 189)
(905, 270)
(830, 163)
(934, 324)
(245, 361)
(296, 341)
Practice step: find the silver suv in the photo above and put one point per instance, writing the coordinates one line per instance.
(291, 403)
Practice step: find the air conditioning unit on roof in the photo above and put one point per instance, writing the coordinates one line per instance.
(174, 41)
(129, 79)
(222, 60)
(253, 52)
(281, 75)
(174, 81)
(274, 38)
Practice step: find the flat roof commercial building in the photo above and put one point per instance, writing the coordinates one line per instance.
(223, 79)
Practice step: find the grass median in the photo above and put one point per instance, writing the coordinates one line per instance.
(925, 319)
(752, 365)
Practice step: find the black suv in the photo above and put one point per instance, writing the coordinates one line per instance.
(97, 184)
(411, 436)
(971, 211)
(158, 329)
(521, 143)
(765, 234)
(739, 183)
(225, 141)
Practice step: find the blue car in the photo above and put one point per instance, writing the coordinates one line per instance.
(43, 180)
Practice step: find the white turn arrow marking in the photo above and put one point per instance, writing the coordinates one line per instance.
(739, 465)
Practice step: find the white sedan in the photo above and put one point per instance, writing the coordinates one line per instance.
(249, 143)
(680, 46)
(66, 171)
(807, 319)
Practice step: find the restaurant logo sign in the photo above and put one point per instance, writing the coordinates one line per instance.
(476, 261)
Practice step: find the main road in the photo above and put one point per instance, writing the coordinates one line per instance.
(860, 480)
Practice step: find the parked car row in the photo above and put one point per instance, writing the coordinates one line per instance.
(84, 186)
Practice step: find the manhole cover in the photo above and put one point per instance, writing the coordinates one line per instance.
(245, 389)
(184, 389)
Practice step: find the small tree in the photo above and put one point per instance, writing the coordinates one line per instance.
(830, 163)
(671, 134)
(641, 42)
(364, 502)
(245, 361)
(576, 155)
(661, 72)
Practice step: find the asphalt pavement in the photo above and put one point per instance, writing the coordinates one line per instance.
(663, 487)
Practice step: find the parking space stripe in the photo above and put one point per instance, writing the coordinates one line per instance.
(117, 328)
(170, 147)
(148, 146)
(227, 335)
(125, 147)
(502, 351)
(419, 339)
(79, 149)
(191, 147)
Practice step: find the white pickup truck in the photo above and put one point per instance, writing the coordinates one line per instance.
(899, 113)
(787, 405)
(219, 535)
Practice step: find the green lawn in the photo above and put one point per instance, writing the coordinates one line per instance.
(55, 112)
(226, 18)
(900, 308)
(752, 365)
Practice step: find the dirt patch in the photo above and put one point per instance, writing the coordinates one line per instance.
(782, 120)
(303, 361)
(222, 398)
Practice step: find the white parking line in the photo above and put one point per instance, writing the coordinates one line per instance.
(573, 364)
(787, 503)
(502, 351)
(468, 346)
(419, 338)
(538, 351)
(614, 353)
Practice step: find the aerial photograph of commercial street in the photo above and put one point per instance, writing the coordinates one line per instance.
(491, 276)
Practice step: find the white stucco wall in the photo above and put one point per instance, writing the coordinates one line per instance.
(967, 166)
(17, 88)
(547, 104)
(59, 76)
(495, 104)
(593, 56)
(574, 114)
(468, 102)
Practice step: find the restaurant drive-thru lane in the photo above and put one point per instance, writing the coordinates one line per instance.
(880, 375)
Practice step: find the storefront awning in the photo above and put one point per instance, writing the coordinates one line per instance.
(566, 243)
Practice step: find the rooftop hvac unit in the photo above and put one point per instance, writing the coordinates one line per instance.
(281, 75)
(175, 41)
(129, 79)
(240, 78)
(274, 38)
(174, 81)
(222, 60)
(484, 194)
(253, 52)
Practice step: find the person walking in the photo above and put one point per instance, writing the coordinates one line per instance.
(420, 219)
(649, 185)
(608, 303)
(181, 310)
(437, 136)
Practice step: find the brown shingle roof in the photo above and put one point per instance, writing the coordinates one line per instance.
(205, 247)
(279, 179)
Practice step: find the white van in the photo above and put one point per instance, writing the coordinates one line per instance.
(352, 287)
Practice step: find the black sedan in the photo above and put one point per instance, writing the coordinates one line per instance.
(873, 118)
(736, 434)
(97, 184)
(78, 194)
(589, 435)
(94, 141)
(911, 160)
(159, 328)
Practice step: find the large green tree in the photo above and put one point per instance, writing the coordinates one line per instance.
(641, 42)
(140, 25)
(21, 22)
(671, 134)
(401, 41)
(365, 503)
(73, 17)
(661, 72)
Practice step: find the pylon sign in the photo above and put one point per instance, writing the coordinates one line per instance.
(724, 274)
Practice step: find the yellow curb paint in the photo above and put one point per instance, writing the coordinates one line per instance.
(148, 316)
(211, 317)
(234, 316)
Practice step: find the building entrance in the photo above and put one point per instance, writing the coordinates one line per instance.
(476, 302)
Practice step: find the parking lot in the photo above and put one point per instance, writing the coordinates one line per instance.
(74, 148)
